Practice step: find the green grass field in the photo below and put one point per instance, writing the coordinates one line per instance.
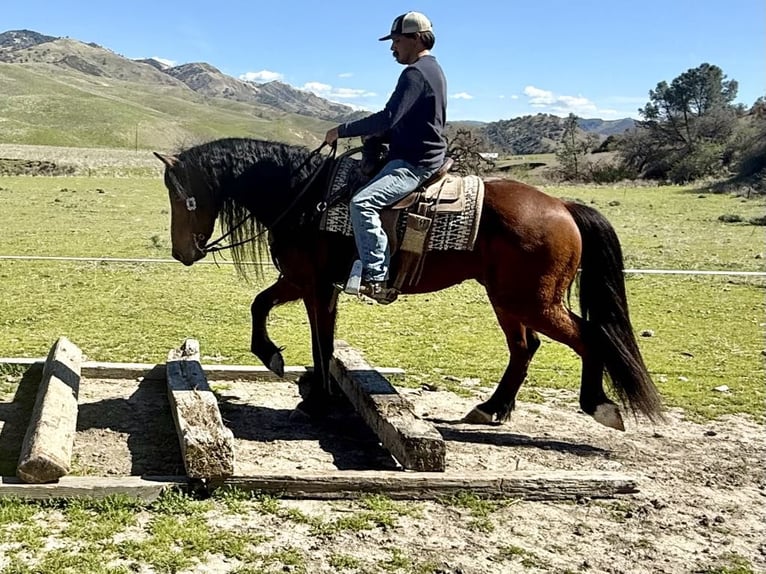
(707, 331)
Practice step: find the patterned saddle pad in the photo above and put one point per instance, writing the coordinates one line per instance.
(450, 230)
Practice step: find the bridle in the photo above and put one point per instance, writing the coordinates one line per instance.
(215, 245)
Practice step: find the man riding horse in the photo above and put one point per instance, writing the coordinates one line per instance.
(412, 122)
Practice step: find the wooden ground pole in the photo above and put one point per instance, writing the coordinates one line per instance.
(46, 453)
(524, 484)
(415, 443)
(143, 488)
(207, 445)
(156, 371)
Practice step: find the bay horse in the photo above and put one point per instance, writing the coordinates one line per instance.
(527, 252)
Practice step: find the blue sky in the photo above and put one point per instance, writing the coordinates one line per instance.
(502, 59)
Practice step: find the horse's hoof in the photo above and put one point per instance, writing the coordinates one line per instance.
(477, 417)
(277, 365)
(609, 415)
(313, 408)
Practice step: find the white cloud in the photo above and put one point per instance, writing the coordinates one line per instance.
(539, 98)
(462, 96)
(562, 105)
(262, 76)
(575, 104)
(345, 75)
(332, 93)
(352, 93)
(317, 87)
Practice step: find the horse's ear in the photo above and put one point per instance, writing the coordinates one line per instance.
(169, 160)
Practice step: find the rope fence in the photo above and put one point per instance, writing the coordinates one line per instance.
(268, 264)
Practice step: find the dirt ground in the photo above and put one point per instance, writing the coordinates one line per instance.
(701, 505)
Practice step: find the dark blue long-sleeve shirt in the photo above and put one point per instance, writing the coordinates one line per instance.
(413, 119)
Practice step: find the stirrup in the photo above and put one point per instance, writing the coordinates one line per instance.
(377, 291)
(354, 279)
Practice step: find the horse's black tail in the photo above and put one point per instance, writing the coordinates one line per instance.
(604, 306)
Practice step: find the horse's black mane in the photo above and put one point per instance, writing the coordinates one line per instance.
(247, 180)
(231, 157)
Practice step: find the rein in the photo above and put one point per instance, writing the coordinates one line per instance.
(214, 246)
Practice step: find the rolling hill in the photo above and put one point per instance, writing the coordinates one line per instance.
(536, 134)
(60, 91)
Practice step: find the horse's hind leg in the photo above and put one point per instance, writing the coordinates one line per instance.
(522, 344)
(282, 291)
(593, 399)
(562, 325)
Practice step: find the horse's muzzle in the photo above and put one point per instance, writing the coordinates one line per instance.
(186, 259)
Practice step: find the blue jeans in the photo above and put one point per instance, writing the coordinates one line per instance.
(397, 179)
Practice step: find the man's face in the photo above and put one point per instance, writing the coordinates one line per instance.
(405, 49)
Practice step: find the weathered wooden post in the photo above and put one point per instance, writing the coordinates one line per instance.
(46, 453)
(415, 443)
(207, 445)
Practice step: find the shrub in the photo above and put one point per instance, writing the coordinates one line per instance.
(609, 172)
(702, 162)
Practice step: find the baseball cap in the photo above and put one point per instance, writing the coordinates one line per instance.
(409, 23)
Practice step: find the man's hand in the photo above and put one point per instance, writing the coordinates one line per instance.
(332, 136)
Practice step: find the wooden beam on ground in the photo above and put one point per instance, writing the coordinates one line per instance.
(527, 485)
(104, 370)
(46, 453)
(151, 371)
(207, 445)
(415, 443)
(146, 489)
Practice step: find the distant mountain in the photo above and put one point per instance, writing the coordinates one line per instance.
(89, 59)
(20, 39)
(541, 133)
(28, 47)
(289, 99)
(606, 127)
(208, 80)
(61, 91)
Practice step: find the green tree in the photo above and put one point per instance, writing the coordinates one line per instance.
(696, 107)
(464, 147)
(747, 148)
(686, 126)
(573, 150)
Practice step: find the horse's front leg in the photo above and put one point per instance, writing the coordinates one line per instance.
(282, 291)
(316, 387)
